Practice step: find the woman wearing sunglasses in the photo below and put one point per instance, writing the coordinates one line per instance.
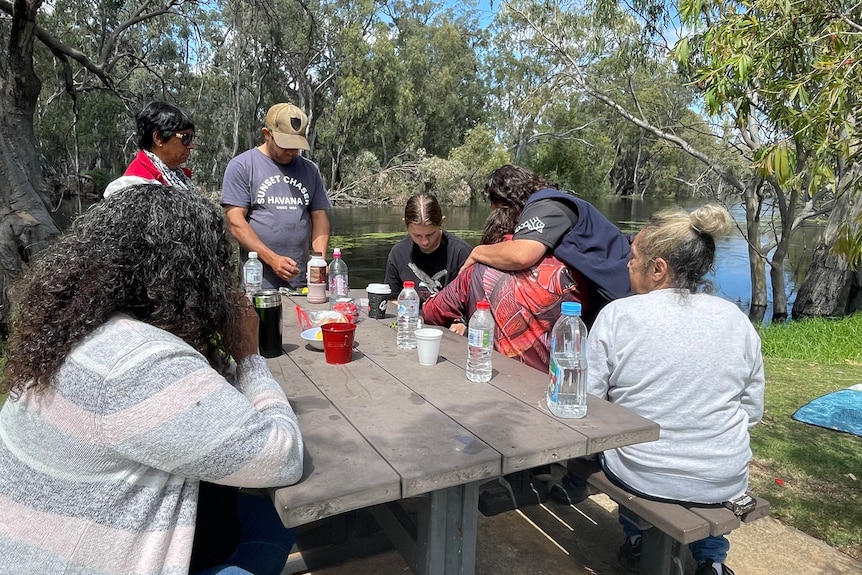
(165, 140)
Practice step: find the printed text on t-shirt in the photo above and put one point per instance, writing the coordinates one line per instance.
(264, 198)
(534, 224)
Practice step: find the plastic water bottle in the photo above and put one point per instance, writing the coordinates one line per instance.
(338, 287)
(408, 316)
(567, 388)
(480, 343)
(252, 274)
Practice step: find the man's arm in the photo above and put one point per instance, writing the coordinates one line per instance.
(283, 266)
(509, 256)
(319, 231)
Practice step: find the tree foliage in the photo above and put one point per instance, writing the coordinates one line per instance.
(585, 93)
(787, 71)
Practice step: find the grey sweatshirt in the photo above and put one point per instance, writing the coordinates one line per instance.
(691, 363)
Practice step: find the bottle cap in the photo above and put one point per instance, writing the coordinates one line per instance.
(252, 255)
(409, 284)
(571, 308)
(336, 253)
(483, 305)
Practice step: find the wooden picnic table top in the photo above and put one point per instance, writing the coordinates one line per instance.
(383, 427)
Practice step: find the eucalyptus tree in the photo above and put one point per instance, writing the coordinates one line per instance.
(444, 78)
(100, 58)
(251, 54)
(789, 73)
(791, 67)
(550, 123)
(405, 82)
(524, 83)
(760, 137)
(587, 147)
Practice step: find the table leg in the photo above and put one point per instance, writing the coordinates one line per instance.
(446, 531)
(439, 537)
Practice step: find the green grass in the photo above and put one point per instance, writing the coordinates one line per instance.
(820, 471)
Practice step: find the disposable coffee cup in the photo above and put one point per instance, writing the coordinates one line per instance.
(428, 345)
(378, 298)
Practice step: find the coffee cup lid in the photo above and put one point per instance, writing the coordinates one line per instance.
(378, 288)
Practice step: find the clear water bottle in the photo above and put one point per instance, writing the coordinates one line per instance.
(252, 274)
(408, 316)
(567, 388)
(480, 343)
(338, 288)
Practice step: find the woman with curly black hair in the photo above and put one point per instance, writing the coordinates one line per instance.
(119, 403)
(542, 220)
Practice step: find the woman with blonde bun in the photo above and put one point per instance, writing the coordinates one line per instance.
(689, 361)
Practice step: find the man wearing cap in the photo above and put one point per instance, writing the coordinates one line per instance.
(275, 201)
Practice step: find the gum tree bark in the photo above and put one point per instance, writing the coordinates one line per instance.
(831, 288)
(26, 225)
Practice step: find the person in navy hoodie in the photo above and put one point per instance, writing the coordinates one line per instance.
(543, 221)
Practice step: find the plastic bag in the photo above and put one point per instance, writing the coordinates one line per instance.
(311, 318)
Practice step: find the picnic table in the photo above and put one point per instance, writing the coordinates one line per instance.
(383, 429)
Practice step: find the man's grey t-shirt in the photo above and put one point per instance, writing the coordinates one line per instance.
(278, 199)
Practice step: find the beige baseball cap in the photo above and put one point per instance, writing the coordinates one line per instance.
(288, 125)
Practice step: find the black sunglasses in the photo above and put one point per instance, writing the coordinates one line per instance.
(185, 139)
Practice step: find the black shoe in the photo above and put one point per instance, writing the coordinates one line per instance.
(571, 490)
(629, 554)
(707, 568)
(511, 492)
(542, 473)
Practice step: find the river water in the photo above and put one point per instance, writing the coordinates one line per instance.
(366, 234)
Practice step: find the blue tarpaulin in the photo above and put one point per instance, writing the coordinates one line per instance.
(840, 411)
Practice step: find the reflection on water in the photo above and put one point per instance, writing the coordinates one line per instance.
(366, 234)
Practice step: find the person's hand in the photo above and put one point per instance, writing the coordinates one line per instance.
(285, 268)
(458, 328)
(467, 263)
(248, 329)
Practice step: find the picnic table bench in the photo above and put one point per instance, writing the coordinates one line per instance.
(668, 527)
(383, 431)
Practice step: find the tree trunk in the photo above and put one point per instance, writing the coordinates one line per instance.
(779, 287)
(830, 288)
(787, 207)
(756, 261)
(26, 225)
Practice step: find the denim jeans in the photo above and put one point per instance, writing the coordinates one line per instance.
(713, 547)
(265, 542)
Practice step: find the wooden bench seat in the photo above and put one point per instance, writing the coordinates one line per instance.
(668, 527)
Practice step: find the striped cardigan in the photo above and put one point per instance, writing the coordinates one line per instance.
(99, 472)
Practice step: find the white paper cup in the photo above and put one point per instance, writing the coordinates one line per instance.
(428, 345)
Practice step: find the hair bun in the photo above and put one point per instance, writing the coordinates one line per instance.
(711, 219)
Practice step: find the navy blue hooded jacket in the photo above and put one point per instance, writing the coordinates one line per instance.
(594, 246)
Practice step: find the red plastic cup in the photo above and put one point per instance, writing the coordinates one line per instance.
(338, 342)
